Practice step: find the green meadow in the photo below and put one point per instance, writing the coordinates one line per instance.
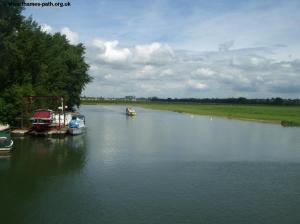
(285, 115)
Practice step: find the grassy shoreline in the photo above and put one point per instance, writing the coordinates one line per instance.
(284, 115)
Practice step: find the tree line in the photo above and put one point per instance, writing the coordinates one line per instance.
(36, 63)
(239, 100)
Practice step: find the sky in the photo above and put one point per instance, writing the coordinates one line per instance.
(179, 48)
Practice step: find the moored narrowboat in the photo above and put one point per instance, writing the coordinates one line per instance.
(42, 119)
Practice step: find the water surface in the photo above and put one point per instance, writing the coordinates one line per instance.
(157, 167)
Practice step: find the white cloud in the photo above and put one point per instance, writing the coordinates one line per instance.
(256, 61)
(157, 69)
(150, 89)
(205, 72)
(286, 65)
(108, 77)
(259, 78)
(196, 84)
(47, 28)
(147, 69)
(150, 54)
(73, 37)
(167, 72)
(154, 53)
(93, 67)
(109, 51)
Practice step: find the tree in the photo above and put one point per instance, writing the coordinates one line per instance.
(33, 62)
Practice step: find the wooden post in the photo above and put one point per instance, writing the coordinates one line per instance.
(22, 119)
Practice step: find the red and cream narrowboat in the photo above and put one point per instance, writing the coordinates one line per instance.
(42, 119)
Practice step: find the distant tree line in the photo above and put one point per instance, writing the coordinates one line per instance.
(239, 100)
(33, 62)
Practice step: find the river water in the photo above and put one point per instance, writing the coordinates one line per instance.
(157, 167)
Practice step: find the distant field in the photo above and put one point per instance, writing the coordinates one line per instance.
(285, 115)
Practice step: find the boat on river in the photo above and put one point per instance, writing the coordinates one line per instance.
(42, 119)
(6, 142)
(130, 111)
(77, 124)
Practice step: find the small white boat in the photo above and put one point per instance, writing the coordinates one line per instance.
(77, 124)
(6, 142)
(130, 111)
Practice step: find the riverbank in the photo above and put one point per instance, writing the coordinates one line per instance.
(284, 115)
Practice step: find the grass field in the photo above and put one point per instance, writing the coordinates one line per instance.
(285, 115)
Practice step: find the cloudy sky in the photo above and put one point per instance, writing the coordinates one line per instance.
(179, 48)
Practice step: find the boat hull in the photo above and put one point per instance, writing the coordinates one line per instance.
(41, 126)
(7, 148)
(76, 131)
(131, 113)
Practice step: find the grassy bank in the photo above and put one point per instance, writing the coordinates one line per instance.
(285, 115)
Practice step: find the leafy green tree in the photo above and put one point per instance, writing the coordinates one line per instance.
(33, 62)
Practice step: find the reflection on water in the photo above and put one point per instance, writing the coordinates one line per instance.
(4, 162)
(48, 156)
(32, 161)
(156, 167)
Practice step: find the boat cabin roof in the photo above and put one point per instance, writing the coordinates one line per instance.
(42, 114)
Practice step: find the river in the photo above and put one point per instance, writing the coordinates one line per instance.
(156, 167)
